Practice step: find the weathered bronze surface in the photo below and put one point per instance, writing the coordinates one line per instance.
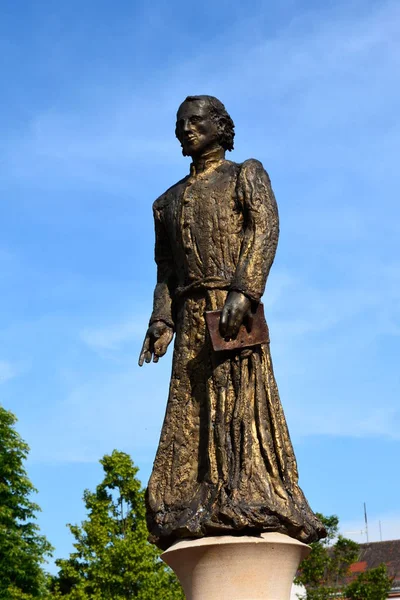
(225, 463)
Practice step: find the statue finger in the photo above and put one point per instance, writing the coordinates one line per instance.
(234, 330)
(249, 321)
(231, 325)
(160, 348)
(228, 327)
(223, 322)
(144, 350)
(161, 345)
(144, 357)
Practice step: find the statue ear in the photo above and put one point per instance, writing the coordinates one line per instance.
(221, 126)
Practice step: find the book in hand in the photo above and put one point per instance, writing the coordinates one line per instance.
(259, 333)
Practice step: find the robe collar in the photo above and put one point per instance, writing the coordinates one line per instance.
(210, 160)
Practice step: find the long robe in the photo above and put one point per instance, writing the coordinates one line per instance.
(225, 463)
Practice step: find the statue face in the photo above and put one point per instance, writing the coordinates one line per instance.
(196, 130)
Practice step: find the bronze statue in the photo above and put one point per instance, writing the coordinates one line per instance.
(225, 463)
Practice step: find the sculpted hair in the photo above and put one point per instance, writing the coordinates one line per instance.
(220, 116)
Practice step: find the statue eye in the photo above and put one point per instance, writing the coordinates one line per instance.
(195, 119)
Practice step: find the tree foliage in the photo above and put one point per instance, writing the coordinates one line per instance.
(323, 572)
(22, 549)
(327, 564)
(112, 557)
(374, 584)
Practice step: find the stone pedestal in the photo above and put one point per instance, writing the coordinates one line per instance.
(237, 568)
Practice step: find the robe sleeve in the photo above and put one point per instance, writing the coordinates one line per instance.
(164, 290)
(261, 230)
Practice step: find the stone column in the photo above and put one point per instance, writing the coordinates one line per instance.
(237, 567)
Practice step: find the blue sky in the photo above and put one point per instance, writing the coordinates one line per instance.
(88, 104)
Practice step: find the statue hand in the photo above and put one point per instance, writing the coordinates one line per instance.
(156, 342)
(237, 307)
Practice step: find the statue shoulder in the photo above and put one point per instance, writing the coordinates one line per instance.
(168, 196)
(252, 166)
(253, 170)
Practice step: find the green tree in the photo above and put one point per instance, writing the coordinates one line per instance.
(327, 565)
(374, 584)
(112, 557)
(23, 550)
(324, 571)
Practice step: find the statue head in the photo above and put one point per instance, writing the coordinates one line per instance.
(202, 124)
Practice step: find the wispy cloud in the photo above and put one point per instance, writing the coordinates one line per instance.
(8, 371)
(299, 306)
(331, 348)
(319, 66)
(114, 336)
(121, 410)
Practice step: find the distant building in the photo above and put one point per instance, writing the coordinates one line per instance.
(374, 554)
(371, 555)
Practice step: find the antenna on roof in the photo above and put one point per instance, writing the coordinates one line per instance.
(380, 530)
(366, 522)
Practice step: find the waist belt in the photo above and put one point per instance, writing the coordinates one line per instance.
(207, 283)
